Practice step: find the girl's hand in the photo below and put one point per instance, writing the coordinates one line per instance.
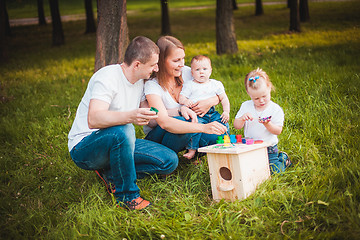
(225, 117)
(188, 113)
(246, 117)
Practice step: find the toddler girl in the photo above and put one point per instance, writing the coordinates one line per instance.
(261, 118)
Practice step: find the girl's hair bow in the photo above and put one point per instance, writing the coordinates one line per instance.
(254, 79)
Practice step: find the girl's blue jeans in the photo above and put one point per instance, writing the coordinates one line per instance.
(277, 160)
(178, 142)
(123, 158)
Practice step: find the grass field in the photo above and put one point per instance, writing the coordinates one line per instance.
(317, 78)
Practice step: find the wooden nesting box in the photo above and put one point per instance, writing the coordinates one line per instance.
(236, 170)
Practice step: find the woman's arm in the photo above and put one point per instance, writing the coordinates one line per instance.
(177, 126)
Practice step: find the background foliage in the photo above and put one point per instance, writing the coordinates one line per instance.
(316, 75)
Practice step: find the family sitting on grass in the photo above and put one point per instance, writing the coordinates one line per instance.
(102, 137)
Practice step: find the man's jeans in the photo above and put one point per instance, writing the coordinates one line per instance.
(123, 157)
(178, 142)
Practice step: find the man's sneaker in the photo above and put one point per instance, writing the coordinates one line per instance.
(109, 186)
(136, 204)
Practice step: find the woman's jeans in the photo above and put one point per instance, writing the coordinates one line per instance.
(211, 116)
(277, 160)
(178, 142)
(123, 158)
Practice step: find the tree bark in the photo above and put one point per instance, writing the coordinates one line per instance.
(57, 33)
(165, 19)
(3, 35)
(304, 11)
(90, 22)
(225, 32)
(258, 8)
(235, 6)
(112, 35)
(294, 16)
(41, 15)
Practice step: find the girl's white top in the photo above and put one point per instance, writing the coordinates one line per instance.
(254, 129)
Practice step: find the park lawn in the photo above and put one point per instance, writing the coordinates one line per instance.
(316, 75)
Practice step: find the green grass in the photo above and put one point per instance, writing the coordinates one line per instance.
(316, 75)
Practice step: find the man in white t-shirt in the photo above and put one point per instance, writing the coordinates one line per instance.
(102, 137)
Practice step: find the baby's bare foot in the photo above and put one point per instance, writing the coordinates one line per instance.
(190, 154)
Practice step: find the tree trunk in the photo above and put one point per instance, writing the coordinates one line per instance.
(304, 11)
(259, 8)
(90, 22)
(294, 16)
(5, 18)
(41, 15)
(235, 6)
(225, 32)
(165, 19)
(57, 33)
(3, 35)
(112, 35)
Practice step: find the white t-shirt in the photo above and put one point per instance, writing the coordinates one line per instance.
(199, 91)
(152, 87)
(256, 130)
(110, 85)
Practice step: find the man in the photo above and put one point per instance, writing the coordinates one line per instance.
(102, 137)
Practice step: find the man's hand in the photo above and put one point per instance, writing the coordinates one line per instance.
(142, 116)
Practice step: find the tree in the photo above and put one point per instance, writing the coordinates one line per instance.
(57, 32)
(304, 11)
(235, 6)
(90, 22)
(3, 34)
(258, 8)
(112, 35)
(225, 32)
(41, 15)
(5, 17)
(165, 19)
(294, 16)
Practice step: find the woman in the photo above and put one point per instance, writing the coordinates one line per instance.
(163, 93)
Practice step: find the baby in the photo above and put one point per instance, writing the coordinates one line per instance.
(261, 118)
(202, 87)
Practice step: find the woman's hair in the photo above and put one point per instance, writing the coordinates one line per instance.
(167, 44)
(140, 48)
(254, 79)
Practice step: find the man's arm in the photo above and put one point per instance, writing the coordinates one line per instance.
(99, 115)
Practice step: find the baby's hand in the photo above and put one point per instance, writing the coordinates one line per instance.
(246, 117)
(225, 117)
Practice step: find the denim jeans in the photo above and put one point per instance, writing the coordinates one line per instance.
(123, 157)
(178, 142)
(277, 160)
(211, 116)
